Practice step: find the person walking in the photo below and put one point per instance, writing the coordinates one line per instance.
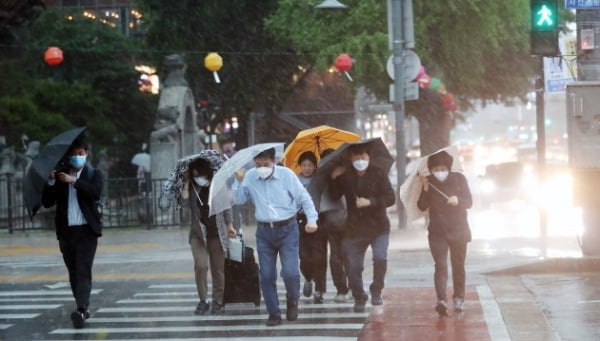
(277, 194)
(313, 246)
(75, 190)
(447, 196)
(333, 222)
(368, 192)
(209, 235)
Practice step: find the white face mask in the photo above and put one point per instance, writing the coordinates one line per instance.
(201, 181)
(360, 165)
(441, 175)
(264, 172)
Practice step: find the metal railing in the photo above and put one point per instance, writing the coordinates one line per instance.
(126, 202)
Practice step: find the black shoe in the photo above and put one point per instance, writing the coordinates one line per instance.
(442, 308)
(217, 309)
(78, 319)
(273, 320)
(376, 299)
(318, 297)
(360, 305)
(202, 308)
(292, 311)
(308, 289)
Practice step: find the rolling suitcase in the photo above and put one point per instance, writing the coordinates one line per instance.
(242, 280)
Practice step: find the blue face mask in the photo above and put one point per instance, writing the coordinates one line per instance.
(77, 161)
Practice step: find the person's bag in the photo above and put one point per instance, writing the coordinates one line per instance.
(235, 252)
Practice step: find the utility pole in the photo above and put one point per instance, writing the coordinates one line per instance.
(541, 146)
(398, 40)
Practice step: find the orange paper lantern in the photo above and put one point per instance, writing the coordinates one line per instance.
(53, 56)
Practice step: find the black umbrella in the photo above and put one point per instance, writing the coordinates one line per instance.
(379, 156)
(42, 166)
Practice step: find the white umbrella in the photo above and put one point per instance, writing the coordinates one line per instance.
(410, 190)
(142, 160)
(220, 187)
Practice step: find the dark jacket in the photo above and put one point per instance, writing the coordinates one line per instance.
(373, 185)
(447, 221)
(88, 189)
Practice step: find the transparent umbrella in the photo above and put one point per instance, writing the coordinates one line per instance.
(220, 187)
(410, 190)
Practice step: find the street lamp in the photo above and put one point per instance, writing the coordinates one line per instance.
(331, 5)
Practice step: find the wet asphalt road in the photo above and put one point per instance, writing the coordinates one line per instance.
(144, 290)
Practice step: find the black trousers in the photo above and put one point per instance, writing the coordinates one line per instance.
(337, 263)
(313, 255)
(78, 249)
(439, 247)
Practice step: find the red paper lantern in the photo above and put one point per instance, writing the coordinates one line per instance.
(343, 62)
(447, 98)
(424, 81)
(53, 56)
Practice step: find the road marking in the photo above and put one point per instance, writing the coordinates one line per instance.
(38, 299)
(29, 306)
(43, 292)
(182, 329)
(192, 307)
(16, 250)
(18, 316)
(248, 338)
(492, 315)
(5, 326)
(187, 318)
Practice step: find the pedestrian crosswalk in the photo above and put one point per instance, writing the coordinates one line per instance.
(19, 305)
(166, 312)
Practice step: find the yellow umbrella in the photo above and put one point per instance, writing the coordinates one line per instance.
(316, 140)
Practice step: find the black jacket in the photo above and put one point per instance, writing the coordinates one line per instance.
(447, 221)
(88, 189)
(373, 185)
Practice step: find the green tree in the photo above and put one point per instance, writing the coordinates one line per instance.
(95, 85)
(479, 49)
(257, 70)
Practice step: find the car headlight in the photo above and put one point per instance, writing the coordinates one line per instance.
(488, 186)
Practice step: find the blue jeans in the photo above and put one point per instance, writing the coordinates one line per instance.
(354, 248)
(271, 241)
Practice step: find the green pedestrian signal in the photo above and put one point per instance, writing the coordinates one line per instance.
(544, 27)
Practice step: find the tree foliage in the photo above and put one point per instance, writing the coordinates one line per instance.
(95, 85)
(480, 49)
(257, 71)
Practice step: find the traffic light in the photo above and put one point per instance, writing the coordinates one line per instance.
(544, 27)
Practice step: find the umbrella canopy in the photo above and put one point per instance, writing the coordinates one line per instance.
(410, 190)
(42, 166)
(316, 140)
(220, 187)
(141, 160)
(172, 188)
(379, 156)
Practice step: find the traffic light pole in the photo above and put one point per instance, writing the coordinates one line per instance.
(398, 103)
(541, 146)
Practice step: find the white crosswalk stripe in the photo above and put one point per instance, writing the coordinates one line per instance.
(166, 312)
(16, 306)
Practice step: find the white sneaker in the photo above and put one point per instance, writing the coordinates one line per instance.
(340, 298)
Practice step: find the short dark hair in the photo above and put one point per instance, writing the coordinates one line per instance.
(268, 153)
(202, 167)
(358, 149)
(439, 159)
(79, 143)
(326, 152)
(308, 155)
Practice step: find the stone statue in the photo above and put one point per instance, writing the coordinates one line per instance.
(11, 161)
(167, 114)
